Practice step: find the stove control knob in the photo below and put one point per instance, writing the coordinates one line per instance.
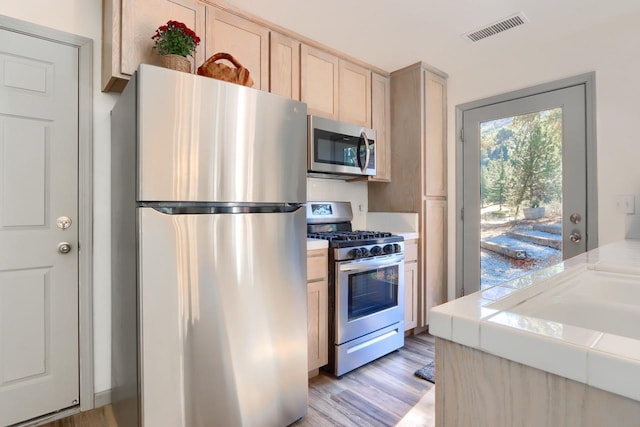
(397, 247)
(388, 249)
(376, 250)
(357, 253)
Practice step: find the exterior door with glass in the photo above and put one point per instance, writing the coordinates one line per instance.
(525, 197)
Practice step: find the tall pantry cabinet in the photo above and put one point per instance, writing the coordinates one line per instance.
(419, 174)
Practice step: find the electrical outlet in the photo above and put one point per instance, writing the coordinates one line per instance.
(625, 204)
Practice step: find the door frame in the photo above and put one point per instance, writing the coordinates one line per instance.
(589, 82)
(85, 198)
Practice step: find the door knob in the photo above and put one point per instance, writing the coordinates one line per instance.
(575, 237)
(575, 218)
(64, 247)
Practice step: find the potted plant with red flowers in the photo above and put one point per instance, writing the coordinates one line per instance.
(174, 42)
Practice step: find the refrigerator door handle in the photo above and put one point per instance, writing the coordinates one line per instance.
(195, 208)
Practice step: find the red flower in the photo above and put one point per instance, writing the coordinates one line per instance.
(175, 37)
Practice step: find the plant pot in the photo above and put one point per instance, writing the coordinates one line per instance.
(533, 213)
(176, 62)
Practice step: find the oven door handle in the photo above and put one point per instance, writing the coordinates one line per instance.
(368, 265)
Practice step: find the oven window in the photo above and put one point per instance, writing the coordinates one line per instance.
(372, 291)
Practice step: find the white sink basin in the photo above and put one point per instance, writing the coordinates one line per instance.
(597, 300)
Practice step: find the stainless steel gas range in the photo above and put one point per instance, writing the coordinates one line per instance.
(366, 287)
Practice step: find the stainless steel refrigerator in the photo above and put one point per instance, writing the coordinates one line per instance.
(209, 300)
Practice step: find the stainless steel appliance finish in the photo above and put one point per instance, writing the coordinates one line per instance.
(366, 287)
(340, 148)
(209, 258)
(212, 137)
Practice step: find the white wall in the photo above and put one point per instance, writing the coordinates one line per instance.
(613, 52)
(84, 18)
(335, 190)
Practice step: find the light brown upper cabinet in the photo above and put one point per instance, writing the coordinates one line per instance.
(247, 41)
(127, 29)
(284, 74)
(354, 94)
(435, 134)
(381, 122)
(319, 81)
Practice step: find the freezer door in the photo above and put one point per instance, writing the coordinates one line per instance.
(202, 139)
(223, 323)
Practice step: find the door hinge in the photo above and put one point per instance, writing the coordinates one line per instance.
(461, 214)
(462, 134)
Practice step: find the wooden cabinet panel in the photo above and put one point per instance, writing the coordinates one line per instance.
(317, 308)
(284, 76)
(410, 295)
(127, 29)
(381, 122)
(319, 81)
(410, 250)
(318, 345)
(435, 135)
(317, 265)
(247, 41)
(435, 250)
(354, 94)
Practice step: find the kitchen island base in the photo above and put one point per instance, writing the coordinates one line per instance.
(474, 388)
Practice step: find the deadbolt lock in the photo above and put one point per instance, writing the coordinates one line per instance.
(575, 218)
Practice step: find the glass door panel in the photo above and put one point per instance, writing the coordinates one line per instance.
(520, 195)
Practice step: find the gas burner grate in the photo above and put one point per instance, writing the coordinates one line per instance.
(346, 236)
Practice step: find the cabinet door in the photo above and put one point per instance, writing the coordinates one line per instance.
(410, 295)
(435, 135)
(381, 122)
(318, 341)
(247, 41)
(317, 309)
(319, 81)
(284, 75)
(435, 253)
(354, 94)
(141, 18)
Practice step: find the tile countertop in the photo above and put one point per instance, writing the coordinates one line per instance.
(578, 319)
(313, 244)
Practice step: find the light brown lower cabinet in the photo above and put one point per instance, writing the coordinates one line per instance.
(410, 284)
(480, 389)
(317, 315)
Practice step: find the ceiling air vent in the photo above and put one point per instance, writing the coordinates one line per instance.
(497, 27)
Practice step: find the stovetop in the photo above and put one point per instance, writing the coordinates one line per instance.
(346, 239)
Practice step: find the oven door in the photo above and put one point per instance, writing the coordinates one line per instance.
(369, 296)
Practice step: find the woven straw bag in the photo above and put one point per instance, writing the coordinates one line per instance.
(239, 74)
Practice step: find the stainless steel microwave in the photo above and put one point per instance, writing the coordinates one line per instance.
(340, 148)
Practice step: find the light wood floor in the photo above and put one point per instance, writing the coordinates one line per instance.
(382, 393)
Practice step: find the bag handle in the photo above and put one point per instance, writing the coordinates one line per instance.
(223, 55)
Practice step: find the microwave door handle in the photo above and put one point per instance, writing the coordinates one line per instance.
(358, 153)
(364, 167)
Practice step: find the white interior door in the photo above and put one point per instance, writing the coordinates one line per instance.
(526, 152)
(38, 185)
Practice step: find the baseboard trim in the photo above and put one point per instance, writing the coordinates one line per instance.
(102, 398)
